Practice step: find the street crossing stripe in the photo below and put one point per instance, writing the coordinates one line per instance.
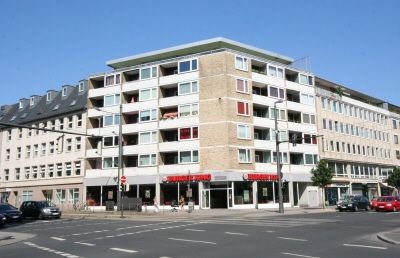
(193, 241)
(82, 243)
(234, 233)
(197, 230)
(300, 255)
(294, 239)
(123, 250)
(366, 246)
(58, 238)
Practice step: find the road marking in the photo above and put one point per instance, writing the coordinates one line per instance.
(87, 244)
(294, 239)
(270, 231)
(367, 246)
(234, 233)
(300, 255)
(193, 241)
(124, 250)
(58, 238)
(51, 250)
(197, 230)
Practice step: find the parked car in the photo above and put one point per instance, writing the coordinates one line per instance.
(39, 210)
(10, 212)
(388, 203)
(373, 204)
(3, 220)
(354, 203)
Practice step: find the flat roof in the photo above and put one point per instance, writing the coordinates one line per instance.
(197, 47)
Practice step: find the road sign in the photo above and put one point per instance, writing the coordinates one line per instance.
(123, 179)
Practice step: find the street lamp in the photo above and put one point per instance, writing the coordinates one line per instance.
(120, 149)
(278, 158)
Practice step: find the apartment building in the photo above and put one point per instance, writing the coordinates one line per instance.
(360, 140)
(39, 165)
(198, 120)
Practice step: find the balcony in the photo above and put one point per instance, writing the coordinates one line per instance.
(176, 122)
(93, 93)
(181, 145)
(177, 78)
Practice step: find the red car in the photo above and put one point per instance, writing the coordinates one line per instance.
(388, 203)
(373, 204)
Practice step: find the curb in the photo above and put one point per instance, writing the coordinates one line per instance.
(383, 238)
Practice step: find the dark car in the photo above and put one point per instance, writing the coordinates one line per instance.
(3, 220)
(354, 203)
(10, 212)
(39, 210)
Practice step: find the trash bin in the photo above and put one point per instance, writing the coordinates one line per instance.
(190, 206)
(109, 205)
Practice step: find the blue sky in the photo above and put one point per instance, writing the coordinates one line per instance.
(46, 44)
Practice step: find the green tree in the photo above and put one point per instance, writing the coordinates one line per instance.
(394, 179)
(322, 176)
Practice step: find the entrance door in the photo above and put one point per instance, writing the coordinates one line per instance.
(219, 198)
(205, 200)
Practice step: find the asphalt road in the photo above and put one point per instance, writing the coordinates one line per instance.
(321, 235)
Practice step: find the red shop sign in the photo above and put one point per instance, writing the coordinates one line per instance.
(260, 177)
(187, 178)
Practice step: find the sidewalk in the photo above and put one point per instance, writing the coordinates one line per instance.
(198, 214)
(391, 237)
(7, 238)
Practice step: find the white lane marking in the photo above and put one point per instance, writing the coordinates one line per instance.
(270, 231)
(58, 238)
(82, 243)
(193, 241)
(235, 233)
(51, 250)
(294, 239)
(165, 257)
(196, 230)
(367, 246)
(123, 250)
(300, 255)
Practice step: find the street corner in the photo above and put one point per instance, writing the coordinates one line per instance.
(7, 238)
(391, 237)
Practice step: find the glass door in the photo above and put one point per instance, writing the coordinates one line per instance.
(230, 198)
(205, 199)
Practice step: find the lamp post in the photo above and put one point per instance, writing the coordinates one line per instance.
(278, 158)
(120, 150)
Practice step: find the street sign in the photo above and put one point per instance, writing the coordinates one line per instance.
(123, 180)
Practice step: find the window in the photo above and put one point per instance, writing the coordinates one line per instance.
(281, 113)
(81, 86)
(310, 139)
(189, 110)
(32, 101)
(243, 132)
(275, 71)
(187, 66)
(323, 104)
(148, 137)
(110, 141)
(68, 169)
(59, 169)
(19, 133)
(21, 104)
(64, 91)
(188, 88)
(243, 108)
(310, 159)
(309, 119)
(17, 174)
(50, 170)
(34, 172)
(6, 174)
(188, 156)
(396, 139)
(77, 166)
(276, 92)
(78, 143)
(73, 195)
(7, 154)
(149, 72)
(188, 133)
(148, 115)
(28, 151)
(35, 150)
(9, 133)
(112, 79)
(111, 100)
(283, 157)
(242, 86)
(42, 172)
(79, 120)
(69, 145)
(43, 149)
(61, 124)
(147, 160)
(147, 94)
(27, 196)
(307, 99)
(306, 79)
(110, 162)
(51, 147)
(244, 156)
(60, 196)
(241, 63)
(282, 135)
(27, 172)
(111, 120)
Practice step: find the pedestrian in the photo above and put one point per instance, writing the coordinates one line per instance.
(182, 202)
(156, 208)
